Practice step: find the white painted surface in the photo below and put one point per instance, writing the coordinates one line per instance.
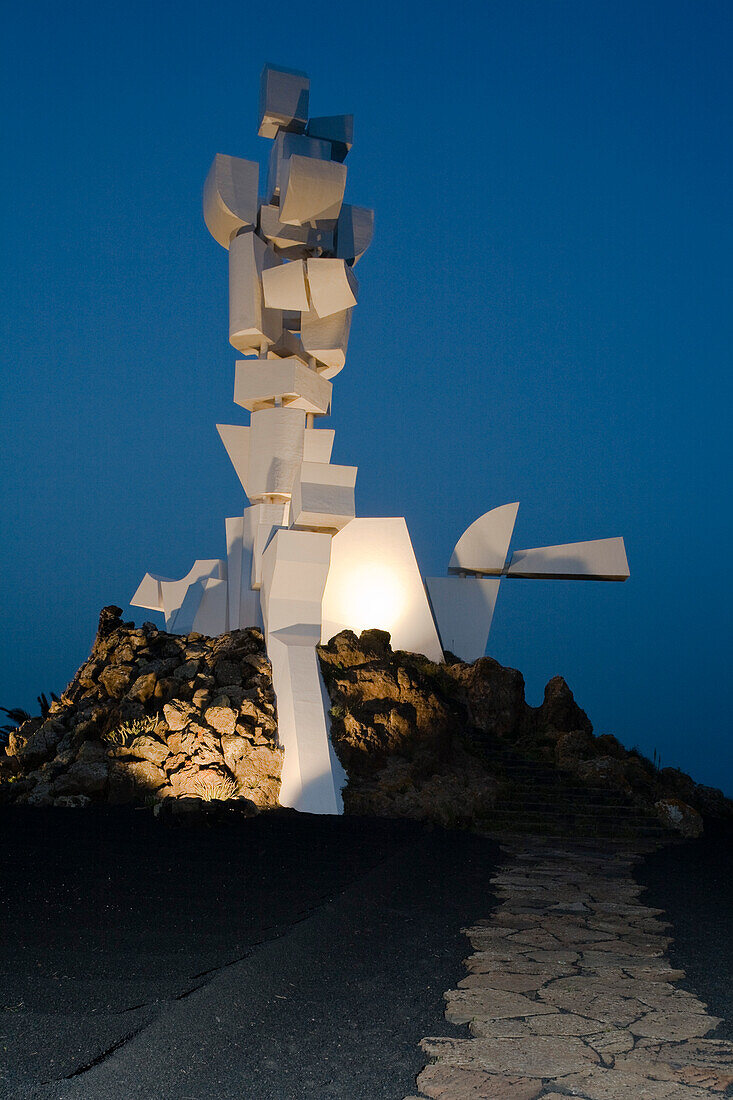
(333, 286)
(323, 495)
(463, 608)
(311, 190)
(230, 196)
(275, 451)
(598, 560)
(284, 286)
(284, 95)
(326, 339)
(483, 547)
(250, 323)
(374, 581)
(235, 438)
(259, 382)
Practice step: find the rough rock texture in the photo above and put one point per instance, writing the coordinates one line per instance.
(405, 730)
(153, 715)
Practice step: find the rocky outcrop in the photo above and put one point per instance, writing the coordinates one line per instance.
(406, 731)
(172, 719)
(152, 715)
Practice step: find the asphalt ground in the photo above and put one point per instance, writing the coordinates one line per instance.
(693, 883)
(278, 958)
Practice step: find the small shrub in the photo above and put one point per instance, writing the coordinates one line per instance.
(216, 790)
(128, 731)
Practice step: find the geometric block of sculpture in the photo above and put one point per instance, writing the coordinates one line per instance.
(337, 129)
(375, 581)
(275, 452)
(323, 496)
(354, 232)
(599, 560)
(318, 444)
(259, 383)
(235, 438)
(293, 241)
(283, 148)
(326, 339)
(284, 287)
(333, 286)
(312, 190)
(230, 196)
(284, 95)
(463, 608)
(166, 595)
(483, 547)
(250, 323)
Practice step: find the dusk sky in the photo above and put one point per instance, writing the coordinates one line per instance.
(545, 316)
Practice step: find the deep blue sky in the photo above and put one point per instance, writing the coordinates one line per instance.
(545, 317)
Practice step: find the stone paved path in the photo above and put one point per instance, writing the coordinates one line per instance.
(569, 993)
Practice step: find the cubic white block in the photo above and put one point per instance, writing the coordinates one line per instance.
(326, 339)
(258, 382)
(284, 97)
(483, 547)
(284, 147)
(294, 240)
(235, 438)
(374, 581)
(598, 560)
(230, 196)
(275, 451)
(318, 444)
(294, 570)
(250, 323)
(311, 190)
(463, 608)
(284, 287)
(338, 129)
(354, 232)
(323, 496)
(333, 286)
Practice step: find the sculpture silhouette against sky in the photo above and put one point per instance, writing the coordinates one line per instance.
(299, 562)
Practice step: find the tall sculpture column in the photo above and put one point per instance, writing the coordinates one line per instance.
(298, 561)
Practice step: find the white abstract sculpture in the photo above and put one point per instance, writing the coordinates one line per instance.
(299, 563)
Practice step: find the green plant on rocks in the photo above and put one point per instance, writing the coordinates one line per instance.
(126, 732)
(216, 790)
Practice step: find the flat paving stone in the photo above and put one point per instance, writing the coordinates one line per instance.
(571, 934)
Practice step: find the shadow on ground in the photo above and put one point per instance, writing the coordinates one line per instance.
(693, 883)
(283, 956)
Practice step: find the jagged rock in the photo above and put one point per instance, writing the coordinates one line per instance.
(604, 771)
(177, 714)
(81, 778)
(116, 680)
(222, 719)
(492, 695)
(559, 711)
(72, 801)
(149, 748)
(143, 688)
(40, 745)
(679, 816)
(145, 774)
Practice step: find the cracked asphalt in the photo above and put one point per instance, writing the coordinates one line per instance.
(280, 957)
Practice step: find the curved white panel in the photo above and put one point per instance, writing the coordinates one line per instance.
(483, 547)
